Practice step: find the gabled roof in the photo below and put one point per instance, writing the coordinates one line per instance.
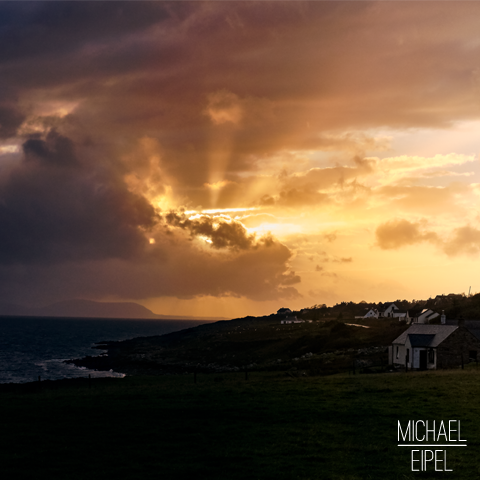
(440, 333)
(391, 305)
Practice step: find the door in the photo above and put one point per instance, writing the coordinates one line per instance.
(423, 359)
(415, 358)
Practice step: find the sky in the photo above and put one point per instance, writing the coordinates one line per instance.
(232, 158)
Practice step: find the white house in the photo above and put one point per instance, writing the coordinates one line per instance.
(401, 315)
(425, 316)
(424, 346)
(388, 312)
(416, 348)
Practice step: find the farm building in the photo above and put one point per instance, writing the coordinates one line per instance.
(424, 346)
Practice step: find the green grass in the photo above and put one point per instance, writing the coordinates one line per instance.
(223, 427)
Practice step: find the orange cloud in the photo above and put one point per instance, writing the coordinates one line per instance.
(343, 260)
(398, 233)
(465, 240)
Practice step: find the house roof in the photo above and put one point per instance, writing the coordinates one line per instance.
(439, 332)
(415, 311)
(421, 339)
(391, 305)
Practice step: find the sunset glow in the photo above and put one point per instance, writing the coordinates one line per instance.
(231, 158)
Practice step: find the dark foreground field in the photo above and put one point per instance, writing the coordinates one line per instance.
(223, 427)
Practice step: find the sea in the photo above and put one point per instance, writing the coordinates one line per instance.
(32, 347)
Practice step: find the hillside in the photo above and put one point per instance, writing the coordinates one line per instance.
(256, 343)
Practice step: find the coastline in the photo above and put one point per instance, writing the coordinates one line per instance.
(119, 359)
(36, 346)
(250, 344)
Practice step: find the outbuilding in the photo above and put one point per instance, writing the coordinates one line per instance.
(424, 346)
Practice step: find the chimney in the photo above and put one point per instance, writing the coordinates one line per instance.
(443, 318)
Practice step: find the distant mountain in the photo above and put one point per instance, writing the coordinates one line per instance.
(8, 309)
(92, 309)
(88, 308)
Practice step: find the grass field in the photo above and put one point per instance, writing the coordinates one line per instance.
(223, 427)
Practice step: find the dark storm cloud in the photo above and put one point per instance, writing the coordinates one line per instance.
(53, 209)
(30, 29)
(10, 120)
(217, 230)
(11, 116)
(55, 150)
(70, 227)
(172, 269)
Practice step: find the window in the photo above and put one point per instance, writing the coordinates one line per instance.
(472, 355)
(397, 353)
(407, 357)
(431, 356)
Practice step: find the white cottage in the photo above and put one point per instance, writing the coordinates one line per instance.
(389, 311)
(401, 315)
(424, 346)
(425, 316)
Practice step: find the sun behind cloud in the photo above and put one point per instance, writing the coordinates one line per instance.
(195, 155)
